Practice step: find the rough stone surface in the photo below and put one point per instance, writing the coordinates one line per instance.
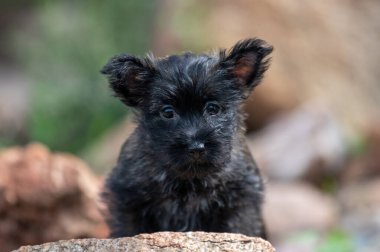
(161, 241)
(45, 197)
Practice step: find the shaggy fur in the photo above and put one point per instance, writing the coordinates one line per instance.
(186, 166)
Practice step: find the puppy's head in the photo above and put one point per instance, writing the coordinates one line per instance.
(188, 104)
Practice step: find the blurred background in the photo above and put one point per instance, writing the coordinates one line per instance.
(313, 124)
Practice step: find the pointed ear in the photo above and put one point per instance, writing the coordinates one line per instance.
(128, 77)
(247, 62)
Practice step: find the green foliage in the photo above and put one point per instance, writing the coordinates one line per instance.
(329, 184)
(307, 238)
(337, 241)
(312, 240)
(70, 103)
(358, 145)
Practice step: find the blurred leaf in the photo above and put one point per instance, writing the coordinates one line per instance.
(337, 241)
(329, 184)
(358, 145)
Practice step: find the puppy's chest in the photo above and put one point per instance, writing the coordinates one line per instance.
(193, 203)
(189, 206)
(188, 213)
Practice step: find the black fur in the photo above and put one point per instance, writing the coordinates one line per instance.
(161, 181)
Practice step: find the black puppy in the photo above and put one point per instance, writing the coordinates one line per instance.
(186, 166)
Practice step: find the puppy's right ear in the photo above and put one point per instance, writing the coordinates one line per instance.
(128, 77)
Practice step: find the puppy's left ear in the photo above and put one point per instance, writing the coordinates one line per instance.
(247, 61)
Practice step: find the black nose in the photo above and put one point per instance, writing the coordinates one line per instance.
(196, 149)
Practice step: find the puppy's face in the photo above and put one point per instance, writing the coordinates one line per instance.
(188, 104)
(190, 115)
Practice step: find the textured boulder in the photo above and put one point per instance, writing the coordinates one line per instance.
(45, 197)
(162, 241)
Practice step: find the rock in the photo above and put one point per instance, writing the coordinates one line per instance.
(162, 241)
(46, 196)
(294, 207)
(307, 143)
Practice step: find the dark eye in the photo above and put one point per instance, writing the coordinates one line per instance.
(167, 112)
(212, 108)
